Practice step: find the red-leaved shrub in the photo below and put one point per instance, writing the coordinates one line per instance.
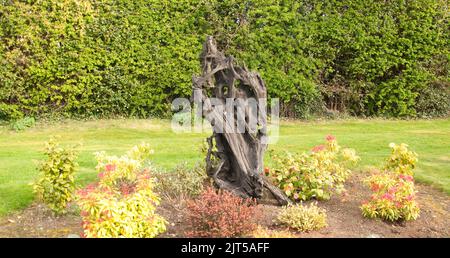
(221, 214)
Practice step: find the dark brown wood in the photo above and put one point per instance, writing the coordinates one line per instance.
(234, 160)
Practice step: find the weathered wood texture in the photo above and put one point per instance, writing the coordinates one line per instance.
(234, 159)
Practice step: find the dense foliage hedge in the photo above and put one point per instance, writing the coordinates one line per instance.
(132, 57)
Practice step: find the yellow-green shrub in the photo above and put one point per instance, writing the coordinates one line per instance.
(401, 160)
(122, 203)
(315, 174)
(56, 184)
(303, 218)
(393, 196)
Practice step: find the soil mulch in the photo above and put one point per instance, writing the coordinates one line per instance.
(343, 216)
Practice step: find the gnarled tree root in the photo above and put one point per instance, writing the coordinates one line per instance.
(235, 159)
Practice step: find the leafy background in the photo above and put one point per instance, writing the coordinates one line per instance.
(86, 58)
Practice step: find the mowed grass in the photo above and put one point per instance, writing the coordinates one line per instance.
(370, 138)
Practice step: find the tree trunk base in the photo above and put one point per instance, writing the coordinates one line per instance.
(236, 149)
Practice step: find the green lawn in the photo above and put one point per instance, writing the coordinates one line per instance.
(370, 138)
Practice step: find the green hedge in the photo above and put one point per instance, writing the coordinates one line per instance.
(86, 58)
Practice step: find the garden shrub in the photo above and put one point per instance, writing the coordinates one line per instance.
(122, 203)
(303, 217)
(55, 186)
(433, 101)
(316, 174)
(221, 214)
(23, 123)
(401, 160)
(182, 182)
(393, 196)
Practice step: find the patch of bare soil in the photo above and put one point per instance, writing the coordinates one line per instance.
(38, 221)
(343, 213)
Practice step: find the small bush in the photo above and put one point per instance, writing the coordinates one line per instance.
(433, 101)
(182, 182)
(303, 218)
(316, 174)
(56, 184)
(221, 214)
(22, 124)
(401, 160)
(393, 196)
(122, 203)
